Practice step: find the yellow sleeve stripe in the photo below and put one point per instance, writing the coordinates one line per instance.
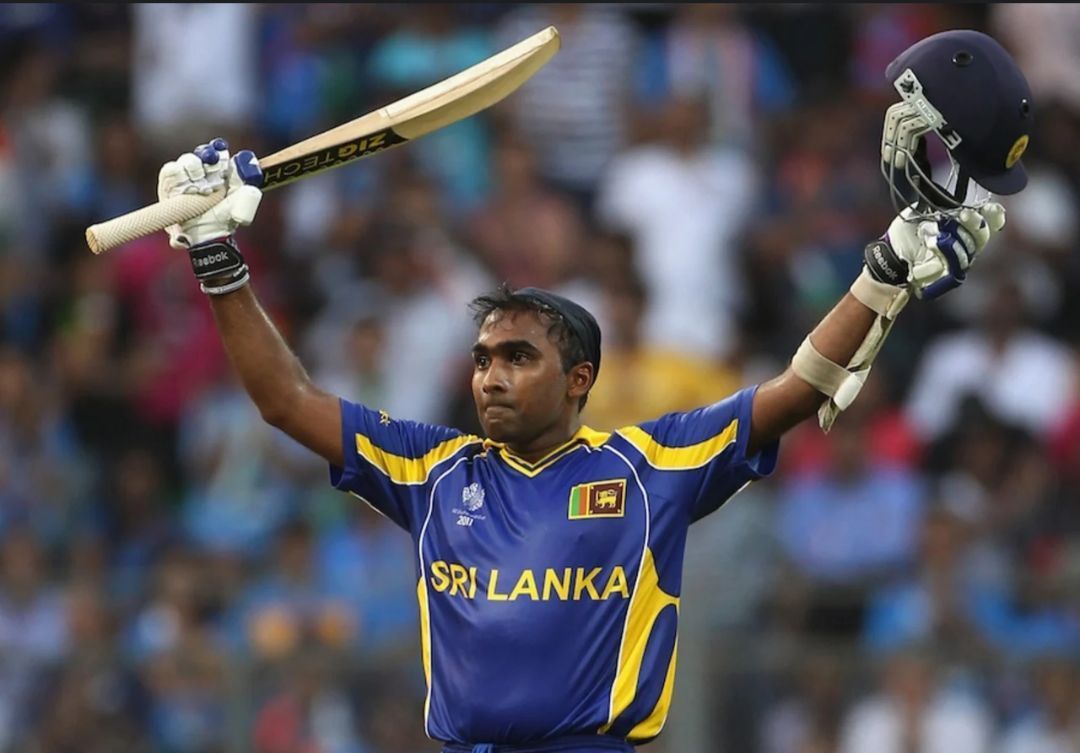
(679, 458)
(402, 470)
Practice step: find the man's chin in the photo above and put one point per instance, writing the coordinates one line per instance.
(499, 430)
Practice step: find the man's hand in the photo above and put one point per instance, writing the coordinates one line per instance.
(931, 257)
(205, 170)
(215, 258)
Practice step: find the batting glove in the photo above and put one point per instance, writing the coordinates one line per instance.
(208, 238)
(932, 257)
(205, 170)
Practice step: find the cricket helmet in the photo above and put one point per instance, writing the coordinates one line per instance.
(963, 88)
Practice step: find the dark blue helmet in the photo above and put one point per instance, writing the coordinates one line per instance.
(965, 88)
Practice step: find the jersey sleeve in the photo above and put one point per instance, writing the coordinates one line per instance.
(699, 458)
(389, 462)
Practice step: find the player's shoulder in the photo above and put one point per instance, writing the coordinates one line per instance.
(413, 447)
(685, 440)
(696, 424)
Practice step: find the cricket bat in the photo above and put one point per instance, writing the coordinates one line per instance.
(453, 99)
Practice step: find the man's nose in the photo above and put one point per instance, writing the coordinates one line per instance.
(494, 380)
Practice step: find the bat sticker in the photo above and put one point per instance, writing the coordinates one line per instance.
(332, 156)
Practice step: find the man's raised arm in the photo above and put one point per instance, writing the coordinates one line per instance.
(950, 86)
(830, 367)
(274, 378)
(271, 373)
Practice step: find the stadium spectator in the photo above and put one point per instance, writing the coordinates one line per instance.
(807, 720)
(169, 96)
(1021, 375)
(431, 45)
(1052, 724)
(952, 600)
(651, 380)
(574, 112)
(34, 630)
(822, 519)
(526, 232)
(708, 50)
(685, 203)
(915, 708)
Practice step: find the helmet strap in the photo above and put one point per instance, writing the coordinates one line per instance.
(962, 182)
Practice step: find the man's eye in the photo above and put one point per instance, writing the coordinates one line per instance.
(520, 356)
(481, 361)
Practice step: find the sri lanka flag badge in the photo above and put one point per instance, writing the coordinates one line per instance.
(598, 499)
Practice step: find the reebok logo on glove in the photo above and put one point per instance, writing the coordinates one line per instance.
(215, 259)
(884, 265)
(206, 261)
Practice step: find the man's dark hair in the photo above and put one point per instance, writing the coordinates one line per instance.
(503, 298)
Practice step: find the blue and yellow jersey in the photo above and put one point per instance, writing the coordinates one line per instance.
(549, 591)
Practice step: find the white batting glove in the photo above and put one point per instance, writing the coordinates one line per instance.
(931, 257)
(205, 170)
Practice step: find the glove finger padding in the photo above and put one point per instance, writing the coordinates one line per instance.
(216, 165)
(956, 246)
(195, 172)
(928, 264)
(994, 214)
(961, 237)
(173, 180)
(977, 228)
(944, 258)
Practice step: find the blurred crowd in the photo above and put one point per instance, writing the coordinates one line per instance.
(177, 577)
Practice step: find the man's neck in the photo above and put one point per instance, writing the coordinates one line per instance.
(546, 443)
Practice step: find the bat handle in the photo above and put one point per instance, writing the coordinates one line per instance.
(148, 220)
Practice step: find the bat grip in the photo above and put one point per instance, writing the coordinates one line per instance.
(148, 220)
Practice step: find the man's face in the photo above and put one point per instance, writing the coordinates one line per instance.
(518, 381)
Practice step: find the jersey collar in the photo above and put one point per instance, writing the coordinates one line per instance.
(583, 437)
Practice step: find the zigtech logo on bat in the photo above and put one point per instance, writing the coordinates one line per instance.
(550, 584)
(330, 157)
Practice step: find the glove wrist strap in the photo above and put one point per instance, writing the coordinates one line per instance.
(219, 266)
(239, 280)
(216, 259)
(883, 263)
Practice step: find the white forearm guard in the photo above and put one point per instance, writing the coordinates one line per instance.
(842, 384)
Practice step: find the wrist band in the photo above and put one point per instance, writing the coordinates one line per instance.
(240, 278)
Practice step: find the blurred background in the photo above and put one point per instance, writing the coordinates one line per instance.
(177, 577)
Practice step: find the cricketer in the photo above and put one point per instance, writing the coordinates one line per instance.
(548, 555)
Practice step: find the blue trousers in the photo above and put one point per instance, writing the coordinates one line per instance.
(570, 744)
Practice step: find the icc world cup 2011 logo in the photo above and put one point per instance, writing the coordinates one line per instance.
(472, 496)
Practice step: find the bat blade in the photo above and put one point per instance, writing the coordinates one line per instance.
(455, 98)
(315, 159)
(430, 109)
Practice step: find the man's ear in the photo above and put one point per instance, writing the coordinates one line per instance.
(580, 380)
